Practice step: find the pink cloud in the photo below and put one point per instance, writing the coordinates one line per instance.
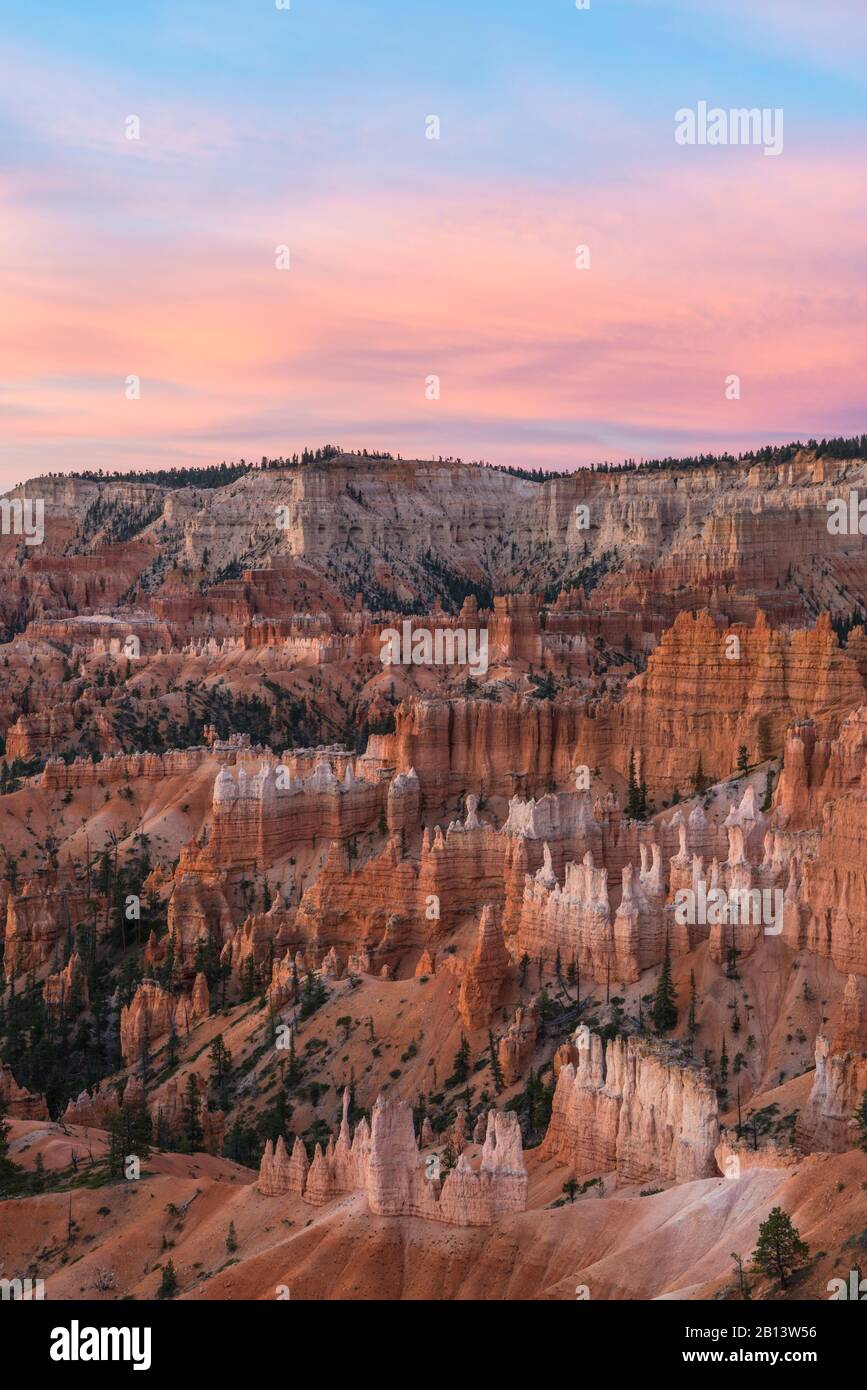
(700, 268)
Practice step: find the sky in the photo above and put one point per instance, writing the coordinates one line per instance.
(429, 299)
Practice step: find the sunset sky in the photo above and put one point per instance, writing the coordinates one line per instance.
(413, 257)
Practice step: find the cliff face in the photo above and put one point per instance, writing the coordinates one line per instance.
(154, 1013)
(258, 816)
(696, 696)
(516, 746)
(725, 534)
(840, 1082)
(121, 769)
(824, 784)
(40, 917)
(826, 1121)
(705, 690)
(630, 1108)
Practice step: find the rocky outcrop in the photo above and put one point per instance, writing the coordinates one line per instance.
(484, 974)
(153, 1013)
(707, 687)
(278, 1173)
(123, 768)
(41, 917)
(632, 1107)
(200, 1000)
(19, 1102)
(826, 1121)
(734, 1156)
(384, 1162)
(66, 993)
(515, 1048)
(258, 816)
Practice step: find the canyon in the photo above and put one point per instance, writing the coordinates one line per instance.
(528, 965)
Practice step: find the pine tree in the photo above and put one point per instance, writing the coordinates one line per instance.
(664, 1012)
(742, 1278)
(191, 1121)
(130, 1130)
(37, 1180)
(461, 1064)
(699, 781)
(248, 980)
(231, 1239)
(169, 1281)
(769, 791)
(221, 1063)
(743, 760)
(779, 1250)
(449, 1156)
(633, 796)
(313, 994)
(724, 1063)
(692, 1021)
(293, 1071)
(496, 1069)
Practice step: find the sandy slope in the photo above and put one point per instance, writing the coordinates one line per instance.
(674, 1244)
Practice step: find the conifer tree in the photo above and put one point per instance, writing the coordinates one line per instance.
(221, 1063)
(692, 1022)
(779, 1250)
(293, 1072)
(496, 1069)
(461, 1064)
(742, 1278)
(664, 1012)
(168, 1282)
(193, 1137)
(633, 796)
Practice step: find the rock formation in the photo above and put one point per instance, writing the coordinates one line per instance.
(631, 1108)
(384, 1162)
(484, 975)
